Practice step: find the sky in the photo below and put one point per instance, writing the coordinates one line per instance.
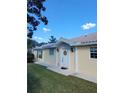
(68, 19)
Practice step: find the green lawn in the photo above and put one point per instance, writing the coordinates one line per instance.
(41, 80)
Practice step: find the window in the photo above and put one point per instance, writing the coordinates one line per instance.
(40, 54)
(93, 52)
(51, 51)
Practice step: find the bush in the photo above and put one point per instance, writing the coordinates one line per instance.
(30, 57)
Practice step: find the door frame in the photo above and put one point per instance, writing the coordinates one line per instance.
(68, 56)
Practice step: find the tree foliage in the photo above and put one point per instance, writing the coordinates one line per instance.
(52, 39)
(32, 43)
(34, 15)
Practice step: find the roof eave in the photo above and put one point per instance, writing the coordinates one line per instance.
(87, 44)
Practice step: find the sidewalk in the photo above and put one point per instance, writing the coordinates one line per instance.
(67, 72)
(56, 69)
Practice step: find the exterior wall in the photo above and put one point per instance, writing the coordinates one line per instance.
(49, 59)
(86, 65)
(58, 58)
(35, 54)
(79, 61)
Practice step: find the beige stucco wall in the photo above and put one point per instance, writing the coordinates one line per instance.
(86, 65)
(49, 59)
(35, 55)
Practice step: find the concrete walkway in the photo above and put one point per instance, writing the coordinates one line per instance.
(85, 76)
(56, 69)
(67, 72)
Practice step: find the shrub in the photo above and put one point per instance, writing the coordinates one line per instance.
(30, 57)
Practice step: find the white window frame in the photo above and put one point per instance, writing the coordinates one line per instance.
(51, 51)
(93, 52)
(40, 53)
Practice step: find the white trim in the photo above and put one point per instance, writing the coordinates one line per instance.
(69, 59)
(92, 59)
(76, 59)
(56, 56)
(42, 55)
(60, 57)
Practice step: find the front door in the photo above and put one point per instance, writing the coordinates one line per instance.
(64, 58)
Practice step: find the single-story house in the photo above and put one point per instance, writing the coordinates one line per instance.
(79, 55)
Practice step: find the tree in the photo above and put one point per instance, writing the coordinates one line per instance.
(34, 15)
(52, 39)
(34, 18)
(31, 43)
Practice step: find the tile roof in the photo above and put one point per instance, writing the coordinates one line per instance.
(85, 38)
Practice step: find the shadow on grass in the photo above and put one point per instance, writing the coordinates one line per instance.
(33, 83)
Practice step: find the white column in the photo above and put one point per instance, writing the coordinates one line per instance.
(76, 59)
(42, 55)
(69, 59)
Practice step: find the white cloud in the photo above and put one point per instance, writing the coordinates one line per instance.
(87, 26)
(46, 29)
(35, 37)
(40, 38)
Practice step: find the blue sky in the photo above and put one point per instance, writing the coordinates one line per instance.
(68, 19)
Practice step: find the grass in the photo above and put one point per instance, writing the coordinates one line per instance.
(41, 80)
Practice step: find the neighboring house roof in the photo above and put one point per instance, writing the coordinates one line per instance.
(89, 39)
(50, 45)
